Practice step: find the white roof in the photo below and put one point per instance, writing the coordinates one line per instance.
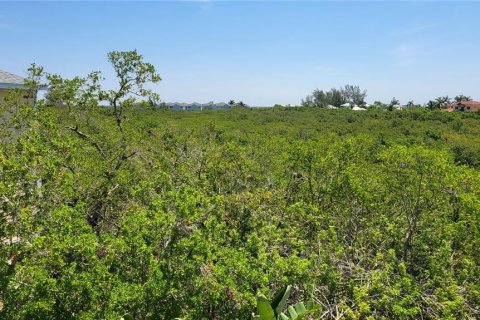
(331, 107)
(345, 105)
(358, 109)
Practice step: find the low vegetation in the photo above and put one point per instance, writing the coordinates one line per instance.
(126, 212)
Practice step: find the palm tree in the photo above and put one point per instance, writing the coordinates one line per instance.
(462, 97)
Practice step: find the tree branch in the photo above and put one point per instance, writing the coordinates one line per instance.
(87, 138)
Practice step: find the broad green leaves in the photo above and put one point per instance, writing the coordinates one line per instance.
(274, 310)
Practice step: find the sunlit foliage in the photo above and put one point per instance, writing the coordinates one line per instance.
(372, 215)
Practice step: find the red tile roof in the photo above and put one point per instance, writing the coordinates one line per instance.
(474, 105)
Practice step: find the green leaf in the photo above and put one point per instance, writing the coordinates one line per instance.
(304, 314)
(264, 308)
(283, 316)
(280, 299)
(300, 308)
(292, 312)
(310, 305)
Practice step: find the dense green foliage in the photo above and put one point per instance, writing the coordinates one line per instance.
(190, 214)
(335, 97)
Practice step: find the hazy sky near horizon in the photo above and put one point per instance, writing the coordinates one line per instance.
(259, 52)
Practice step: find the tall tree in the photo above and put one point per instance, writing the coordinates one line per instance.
(322, 99)
(353, 94)
(462, 97)
(438, 103)
(132, 75)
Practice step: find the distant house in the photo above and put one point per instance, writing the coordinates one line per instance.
(468, 106)
(176, 106)
(220, 106)
(194, 106)
(9, 81)
(357, 108)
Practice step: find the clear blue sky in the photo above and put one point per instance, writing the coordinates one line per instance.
(259, 52)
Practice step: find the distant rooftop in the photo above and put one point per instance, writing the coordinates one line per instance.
(197, 106)
(9, 80)
(208, 104)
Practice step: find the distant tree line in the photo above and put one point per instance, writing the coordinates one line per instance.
(351, 95)
(336, 97)
(239, 104)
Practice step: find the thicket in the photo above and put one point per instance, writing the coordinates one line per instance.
(372, 215)
(335, 97)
